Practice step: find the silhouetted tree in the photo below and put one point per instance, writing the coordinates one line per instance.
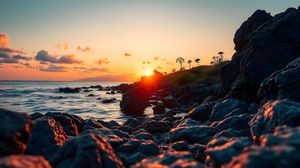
(180, 60)
(197, 61)
(190, 63)
(217, 59)
(173, 70)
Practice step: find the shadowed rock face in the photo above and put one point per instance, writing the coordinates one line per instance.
(47, 136)
(22, 161)
(269, 48)
(88, 150)
(282, 84)
(66, 121)
(195, 133)
(171, 160)
(14, 132)
(272, 114)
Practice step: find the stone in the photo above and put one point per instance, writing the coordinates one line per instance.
(170, 159)
(66, 122)
(46, 137)
(69, 90)
(272, 114)
(200, 113)
(111, 100)
(88, 150)
(191, 133)
(36, 115)
(158, 109)
(92, 124)
(15, 129)
(153, 126)
(24, 161)
(179, 146)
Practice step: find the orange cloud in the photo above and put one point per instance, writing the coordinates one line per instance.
(43, 56)
(84, 49)
(127, 54)
(63, 46)
(4, 41)
(103, 61)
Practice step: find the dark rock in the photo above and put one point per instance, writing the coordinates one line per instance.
(191, 133)
(69, 90)
(36, 115)
(15, 129)
(24, 161)
(92, 124)
(169, 101)
(179, 146)
(173, 159)
(282, 84)
(133, 122)
(124, 128)
(66, 122)
(88, 150)
(99, 87)
(198, 151)
(272, 114)
(111, 100)
(159, 109)
(91, 95)
(109, 124)
(222, 150)
(47, 136)
(142, 135)
(153, 126)
(227, 108)
(200, 113)
(129, 146)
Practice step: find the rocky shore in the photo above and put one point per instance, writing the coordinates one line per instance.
(250, 118)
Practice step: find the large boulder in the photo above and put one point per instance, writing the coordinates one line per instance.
(272, 114)
(282, 84)
(24, 161)
(15, 129)
(67, 122)
(169, 159)
(46, 137)
(88, 150)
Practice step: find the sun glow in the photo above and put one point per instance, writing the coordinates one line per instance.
(148, 73)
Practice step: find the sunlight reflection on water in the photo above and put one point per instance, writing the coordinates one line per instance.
(44, 97)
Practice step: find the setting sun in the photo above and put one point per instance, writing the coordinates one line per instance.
(148, 73)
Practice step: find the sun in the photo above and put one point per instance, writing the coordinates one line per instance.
(148, 73)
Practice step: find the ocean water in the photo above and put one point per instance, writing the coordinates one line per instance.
(43, 97)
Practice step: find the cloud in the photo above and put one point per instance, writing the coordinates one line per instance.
(28, 66)
(63, 46)
(159, 67)
(146, 62)
(156, 58)
(54, 68)
(43, 56)
(84, 49)
(127, 54)
(90, 70)
(4, 41)
(103, 61)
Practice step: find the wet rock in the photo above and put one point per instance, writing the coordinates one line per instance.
(142, 135)
(47, 136)
(124, 128)
(158, 109)
(272, 114)
(169, 101)
(198, 151)
(111, 100)
(36, 115)
(109, 124)
(92, 124)
(66, 122)
(173, 159)
(200, 113)
(187, 122)
(282, 84)
(24, 161)
(153, 126)
(15, 129)
(179, 146)
(91, 95)
(88, 150)
(133, 122)
(69, 90)
(192, 133)
(222, 150)
(113, 137)
(135, 101)
(227, 108)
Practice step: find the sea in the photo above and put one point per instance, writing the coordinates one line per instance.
(43, 97)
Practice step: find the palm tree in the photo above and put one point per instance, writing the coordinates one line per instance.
(217, 59)
(197, 61)
(180, 60)
(190, 62)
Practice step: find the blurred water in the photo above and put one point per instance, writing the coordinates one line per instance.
(43, 97)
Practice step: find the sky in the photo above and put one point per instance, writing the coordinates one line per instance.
(117, 40)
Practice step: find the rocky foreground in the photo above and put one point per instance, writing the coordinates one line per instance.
(250, 119)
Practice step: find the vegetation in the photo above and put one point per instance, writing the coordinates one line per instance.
(197, 61)
(217, 59)
(180, 60)
(190, 63)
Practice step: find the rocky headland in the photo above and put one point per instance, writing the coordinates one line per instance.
(249, 116)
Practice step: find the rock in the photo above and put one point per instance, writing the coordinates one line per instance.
(135, 101)
(153, 126)
(142, 135)
(24, 161)
(46, 137)
(124, 128)
(91, 95)
(158, 109)
(133, 122)
(200, 113)
(179, 146)
(227, 108)
(88, 150)
(282, 84)
(192, 133)
(69, 90)
(111, 100)
(173, 159)
(36, 115)
(258, 157)
(272, 114)
(66, 122)
(15, 129)
(109, 124)
(198, 151)
(169, 101)
(222, 150)
(92, 124)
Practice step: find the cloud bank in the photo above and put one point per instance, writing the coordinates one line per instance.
(43, 56)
